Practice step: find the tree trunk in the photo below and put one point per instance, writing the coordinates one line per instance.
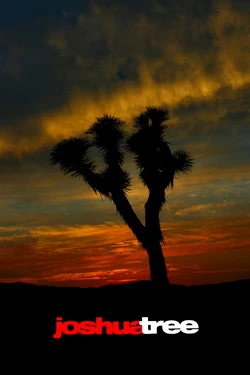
(150, 241)
(157, 264)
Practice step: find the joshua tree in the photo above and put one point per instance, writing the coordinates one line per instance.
(156, 164)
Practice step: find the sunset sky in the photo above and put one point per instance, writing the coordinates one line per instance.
(62, 64)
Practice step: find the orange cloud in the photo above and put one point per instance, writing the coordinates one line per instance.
(99, 254)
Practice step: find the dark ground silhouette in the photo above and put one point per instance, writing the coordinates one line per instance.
(28, 312)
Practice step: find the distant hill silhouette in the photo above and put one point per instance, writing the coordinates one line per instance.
(30, 311)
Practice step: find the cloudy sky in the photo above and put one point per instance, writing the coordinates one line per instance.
(62, 64)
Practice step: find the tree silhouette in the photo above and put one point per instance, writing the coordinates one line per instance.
(156, 164)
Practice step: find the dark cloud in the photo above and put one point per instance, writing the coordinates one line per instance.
(55, 47)
(26, 12)
(128, 70)
(51, 49)
(34, 78)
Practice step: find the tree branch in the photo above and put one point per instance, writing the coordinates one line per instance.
(125, 209)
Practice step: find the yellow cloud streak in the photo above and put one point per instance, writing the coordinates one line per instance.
(126, 103)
